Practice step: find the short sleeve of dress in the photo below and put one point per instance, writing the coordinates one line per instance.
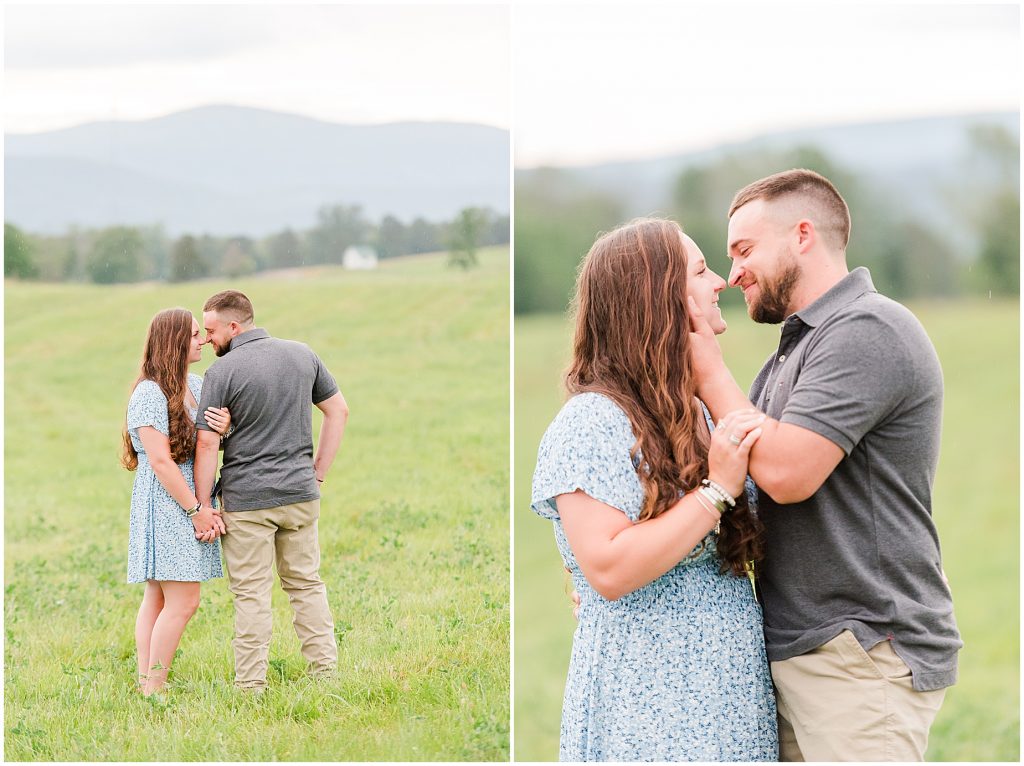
(587, 447)
(148, 407)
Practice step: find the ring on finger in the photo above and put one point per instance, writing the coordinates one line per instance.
(734, 440)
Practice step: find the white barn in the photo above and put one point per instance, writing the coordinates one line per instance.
(359, 257)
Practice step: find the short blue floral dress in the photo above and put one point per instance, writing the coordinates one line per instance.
(161, 539)
(675, 670)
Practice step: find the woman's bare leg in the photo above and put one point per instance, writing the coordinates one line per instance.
(181, 599)
(149, 610)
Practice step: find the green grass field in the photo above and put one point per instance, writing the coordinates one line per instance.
(413, 528)
(976, 510)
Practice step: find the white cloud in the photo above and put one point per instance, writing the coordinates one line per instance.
(340, 63)
(596, 83)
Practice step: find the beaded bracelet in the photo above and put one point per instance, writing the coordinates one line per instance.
(719, 490)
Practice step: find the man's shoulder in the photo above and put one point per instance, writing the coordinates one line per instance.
(272, 345)
(876, 313)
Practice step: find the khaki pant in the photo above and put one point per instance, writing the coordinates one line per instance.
(255, 539)
(841, 703)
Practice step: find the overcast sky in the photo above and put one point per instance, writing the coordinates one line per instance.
(353, 64)
(622, 82)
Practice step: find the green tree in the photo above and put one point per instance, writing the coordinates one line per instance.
(186, 262)
(464, 237)
(115, 256)
(996, 154)
(499, 230)
(238, 258)
(338, 227)
(999, 255)
(392, 238)
(423, 236)
(285, 250)
(18, 254)
(557, 220)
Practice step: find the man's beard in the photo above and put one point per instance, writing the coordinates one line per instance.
(773, 303)
(219, 350)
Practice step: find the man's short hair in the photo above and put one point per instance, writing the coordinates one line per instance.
(815, 191)
(232, 304)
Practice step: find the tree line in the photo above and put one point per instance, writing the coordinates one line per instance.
(558, 217)
(118, 254)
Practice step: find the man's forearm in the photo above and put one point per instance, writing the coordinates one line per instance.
(721, 394)
(205, 469)
(331, 431)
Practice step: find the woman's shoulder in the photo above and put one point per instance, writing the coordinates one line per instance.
(147, 389)
(195, 382)
(586, 421)
(587, 446)
(593, 411)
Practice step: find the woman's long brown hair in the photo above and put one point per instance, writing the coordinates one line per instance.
(165, 362)
(632, 344)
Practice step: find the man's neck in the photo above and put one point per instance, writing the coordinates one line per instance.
(815, 282)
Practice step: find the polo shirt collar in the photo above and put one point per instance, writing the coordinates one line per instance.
(257, 333)
(845, 291)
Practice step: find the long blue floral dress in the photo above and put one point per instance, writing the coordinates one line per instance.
(675, 670)
(161, 538)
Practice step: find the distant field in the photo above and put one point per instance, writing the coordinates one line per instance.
(976, 510)
(414, 528)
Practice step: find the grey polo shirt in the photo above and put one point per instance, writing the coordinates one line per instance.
(862, 553)
(269, 386)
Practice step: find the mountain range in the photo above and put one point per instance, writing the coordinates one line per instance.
(915, 163)
(235, 170)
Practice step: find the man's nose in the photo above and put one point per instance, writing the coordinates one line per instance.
(735, 273)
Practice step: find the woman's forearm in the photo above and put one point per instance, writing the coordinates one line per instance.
(617, 556)
(643, 552)
(173, 481)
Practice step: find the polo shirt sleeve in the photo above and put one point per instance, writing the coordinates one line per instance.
(324, 384)
(214, 395)
(855, 373)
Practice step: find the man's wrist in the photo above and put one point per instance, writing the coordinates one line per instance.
(718, 389)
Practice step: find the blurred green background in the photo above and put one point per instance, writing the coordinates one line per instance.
(958, 271)
(975, 509)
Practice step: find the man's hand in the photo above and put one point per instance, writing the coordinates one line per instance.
(705, 353)
(220, 521)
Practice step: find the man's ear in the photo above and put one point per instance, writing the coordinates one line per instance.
(806, 235)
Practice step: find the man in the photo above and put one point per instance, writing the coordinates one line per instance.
(270, 480)
(859, 623)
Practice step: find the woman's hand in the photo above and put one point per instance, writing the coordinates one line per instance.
(208, 524)
(218, 418)
(731, 442)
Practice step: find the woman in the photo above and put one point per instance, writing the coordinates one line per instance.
(668, 660)
(159, 443)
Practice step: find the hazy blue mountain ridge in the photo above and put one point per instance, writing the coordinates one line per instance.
(231, 170)
(914, 163)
